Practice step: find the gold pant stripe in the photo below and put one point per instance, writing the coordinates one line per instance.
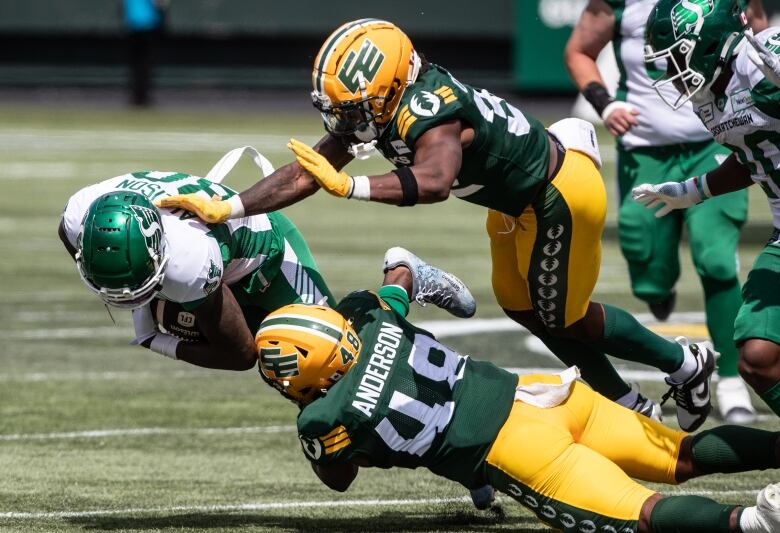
(513, 241)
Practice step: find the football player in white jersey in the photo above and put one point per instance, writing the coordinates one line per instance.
(654, 144)
(732, 78)
(228, 275)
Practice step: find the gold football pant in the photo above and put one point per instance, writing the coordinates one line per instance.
(548, 258)
(572, 464)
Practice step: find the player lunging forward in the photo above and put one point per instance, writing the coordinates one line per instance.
(733, 80)
(228, 275)
(375, 390)
(546, 203)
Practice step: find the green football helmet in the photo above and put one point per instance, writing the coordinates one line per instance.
(121, 249)
(696, 38)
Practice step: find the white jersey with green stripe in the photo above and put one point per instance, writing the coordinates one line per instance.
(746, 119)
(659, 124)
(201, 255)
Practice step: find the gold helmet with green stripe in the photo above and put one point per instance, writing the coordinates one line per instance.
(359, 76)
(304, 350)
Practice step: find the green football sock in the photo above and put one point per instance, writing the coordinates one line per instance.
(772, 398)
(729, 449)
(396, 297)
(722, 300)
(689, 514)
(594, 366)
(626, 338)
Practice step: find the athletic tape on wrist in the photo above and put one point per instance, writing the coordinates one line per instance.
(598, 96)
(236, 206)
(617, 104)
(409, 188)
(165, 344)
(361, 188)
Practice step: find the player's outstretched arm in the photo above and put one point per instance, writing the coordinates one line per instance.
(730, 176)
(230, 345)
(437, 160)
(287, 185)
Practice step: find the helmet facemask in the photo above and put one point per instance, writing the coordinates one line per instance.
(679, 73)
(126, 297)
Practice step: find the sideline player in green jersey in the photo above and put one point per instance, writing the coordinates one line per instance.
(733, 80)
(655, 144)
(546, 203)
(229, 276)
(377, 391)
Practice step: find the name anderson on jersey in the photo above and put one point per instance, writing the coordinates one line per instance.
(378, 368)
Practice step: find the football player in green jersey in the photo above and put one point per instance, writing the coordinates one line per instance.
(377, 391)
(546, 203)
(228, 276)
(655, 142)
(732, 78)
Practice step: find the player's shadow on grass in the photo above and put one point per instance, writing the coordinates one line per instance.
(385, 522)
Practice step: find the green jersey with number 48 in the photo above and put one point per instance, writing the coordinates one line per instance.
(408, 401)
(506, 163)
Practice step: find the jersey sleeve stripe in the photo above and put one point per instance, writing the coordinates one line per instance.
(333, 449)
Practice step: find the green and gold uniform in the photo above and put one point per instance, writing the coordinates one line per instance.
(411, 402)
(538, 229)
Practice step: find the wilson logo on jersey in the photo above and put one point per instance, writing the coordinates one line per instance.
(149, 226)
(366, 62)
(688, 15)
(282, 365)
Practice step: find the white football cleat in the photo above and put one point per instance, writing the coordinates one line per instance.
(693, 395)
(734, 402)
(433, 285)
(768, 507)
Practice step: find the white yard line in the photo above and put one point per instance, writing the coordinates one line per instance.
(457, 328)
(136, 432)
(28, 140)
(270, 506)
(104, 376)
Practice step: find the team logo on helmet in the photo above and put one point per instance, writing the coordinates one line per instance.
(425, 104)
(688, 15)
(149, 225)
(282, 365)
(366, 62)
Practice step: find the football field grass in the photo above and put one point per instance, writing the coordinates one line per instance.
(97, 435)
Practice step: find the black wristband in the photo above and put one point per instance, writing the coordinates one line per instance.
(408, 186)
(597, 95)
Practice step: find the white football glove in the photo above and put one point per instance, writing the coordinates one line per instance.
(148, 336)
(669, 195)
(766, 60)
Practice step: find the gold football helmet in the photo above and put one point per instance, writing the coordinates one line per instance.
(359, 76)
(305, 349)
